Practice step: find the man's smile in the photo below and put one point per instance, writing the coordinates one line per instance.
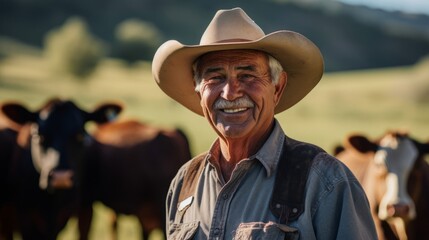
(234, 110)
(237, 106)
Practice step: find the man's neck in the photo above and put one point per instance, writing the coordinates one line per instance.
(232, 151)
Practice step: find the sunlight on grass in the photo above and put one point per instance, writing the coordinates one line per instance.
(128, 227)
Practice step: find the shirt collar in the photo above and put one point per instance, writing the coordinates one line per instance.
(274, 144)
(270, 152)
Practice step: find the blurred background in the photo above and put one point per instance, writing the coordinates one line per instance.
(376, 61)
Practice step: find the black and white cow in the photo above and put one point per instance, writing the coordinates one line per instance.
(46, 162)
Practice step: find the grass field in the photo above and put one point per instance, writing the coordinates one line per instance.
(369, 102)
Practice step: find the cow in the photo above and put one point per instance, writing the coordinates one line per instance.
(395, 176)
(132, 164)
(45, 162)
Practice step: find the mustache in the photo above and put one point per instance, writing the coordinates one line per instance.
(243, 102)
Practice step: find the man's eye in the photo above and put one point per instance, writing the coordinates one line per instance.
(214, 79)
(246, 77)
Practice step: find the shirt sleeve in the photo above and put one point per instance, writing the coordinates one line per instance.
(344, 213)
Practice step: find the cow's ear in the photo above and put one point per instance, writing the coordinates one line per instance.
(338, 149)
(361, 143)
(17, 113)
(423, 147)
(426, 147)
(105, 112)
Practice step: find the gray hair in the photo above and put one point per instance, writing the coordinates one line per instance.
(274, 65)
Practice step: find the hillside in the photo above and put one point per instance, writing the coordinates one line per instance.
(369, 101)
(349, 37)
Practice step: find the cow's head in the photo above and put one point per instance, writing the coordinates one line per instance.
(391, 170)
(56, 136)
(390, 180)
(397, 154)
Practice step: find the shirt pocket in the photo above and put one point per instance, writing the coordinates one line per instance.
(182, 231)
(265, 231)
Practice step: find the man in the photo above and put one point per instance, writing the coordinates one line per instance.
(238, 78)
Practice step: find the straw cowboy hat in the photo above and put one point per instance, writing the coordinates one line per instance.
(233, 29)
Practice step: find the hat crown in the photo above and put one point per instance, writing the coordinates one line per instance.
(231, 26)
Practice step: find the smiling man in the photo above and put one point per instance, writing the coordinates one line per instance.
(238, 98)
(254, 182)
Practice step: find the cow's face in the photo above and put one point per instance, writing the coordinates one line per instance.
(392, 174)
(57, 137)
(396, 156)
(57, 143)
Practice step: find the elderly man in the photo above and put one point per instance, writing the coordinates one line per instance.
(254, 182)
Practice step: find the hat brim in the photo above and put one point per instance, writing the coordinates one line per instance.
(300, 58)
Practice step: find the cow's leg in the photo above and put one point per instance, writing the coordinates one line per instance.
(145, 230)
(115, 233)
(150, 219)
(84, 221)
(8, 221)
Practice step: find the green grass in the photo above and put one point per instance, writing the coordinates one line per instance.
(370, 102)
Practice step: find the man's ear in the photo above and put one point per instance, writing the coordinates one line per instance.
(280, 87)
(197, 91)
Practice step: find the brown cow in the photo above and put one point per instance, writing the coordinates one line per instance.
(395, 176)
(43, 165)
(132, 164)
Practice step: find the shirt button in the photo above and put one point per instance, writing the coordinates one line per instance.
(225, 196)
(216, 231)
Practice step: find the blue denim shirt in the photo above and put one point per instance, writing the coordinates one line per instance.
(335, 203)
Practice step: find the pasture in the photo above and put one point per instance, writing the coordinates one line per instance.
(370, 101)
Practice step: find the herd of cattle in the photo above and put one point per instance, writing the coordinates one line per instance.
(52, 169)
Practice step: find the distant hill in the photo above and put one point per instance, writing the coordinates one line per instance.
(349, 37)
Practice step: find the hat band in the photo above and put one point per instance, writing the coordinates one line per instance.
(233, 40)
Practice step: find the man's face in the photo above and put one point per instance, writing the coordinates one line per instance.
(237, 95)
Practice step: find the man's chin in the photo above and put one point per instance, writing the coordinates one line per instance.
(232, 131)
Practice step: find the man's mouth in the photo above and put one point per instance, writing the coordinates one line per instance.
(234, 110)
(236, 106)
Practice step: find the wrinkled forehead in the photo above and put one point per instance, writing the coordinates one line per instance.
(396, 149)
(234, 57)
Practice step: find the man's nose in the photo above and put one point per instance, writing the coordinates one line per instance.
(232, 89)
